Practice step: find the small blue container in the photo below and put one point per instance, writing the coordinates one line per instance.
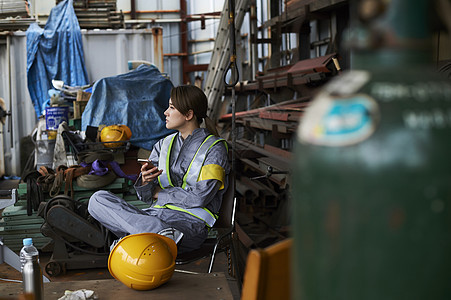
(54, 116)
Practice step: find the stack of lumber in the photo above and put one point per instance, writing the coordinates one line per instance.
(15, 224)
(12, 8)
(14, 15)
(98, 14)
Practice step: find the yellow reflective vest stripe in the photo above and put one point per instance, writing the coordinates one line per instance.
(199, 212)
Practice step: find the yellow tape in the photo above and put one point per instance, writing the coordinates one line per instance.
(213, 171)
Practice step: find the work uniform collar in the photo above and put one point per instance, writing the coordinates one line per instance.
(195, 132)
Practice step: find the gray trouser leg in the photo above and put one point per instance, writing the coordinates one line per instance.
(120, 217)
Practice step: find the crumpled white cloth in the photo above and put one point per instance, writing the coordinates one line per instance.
(82, 294)
(59, 152)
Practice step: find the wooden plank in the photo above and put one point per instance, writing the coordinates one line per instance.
(269, 125)
(130, 197)
(20, 235)
(180, 286)
(258, 187)
(278, 152)
(115, 185)
(18, 240)
(20, 217)
(21, 203)
(263, 171)
(300, 102)
(272, 115)
(77, 196)
(244, 237)
(277, 164)
(36, 238)
(246, 144)
(17, 244)
(298, 10)
(118, 183)
(23, 227)
(16, 210)
(18, 232)
(13, 221)
(284, 80)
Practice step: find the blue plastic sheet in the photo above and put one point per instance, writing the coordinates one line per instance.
(137, 99)
(55, 52)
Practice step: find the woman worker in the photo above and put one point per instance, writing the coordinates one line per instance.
(184, 180)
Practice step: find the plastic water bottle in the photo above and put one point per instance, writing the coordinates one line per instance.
(32, 277)
(27, 249)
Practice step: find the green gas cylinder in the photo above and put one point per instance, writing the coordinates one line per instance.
(372, 173)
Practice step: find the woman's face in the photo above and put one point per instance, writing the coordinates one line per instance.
(174, 119)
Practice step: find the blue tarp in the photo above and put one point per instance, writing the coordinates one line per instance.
(137, 99)
(55, 52)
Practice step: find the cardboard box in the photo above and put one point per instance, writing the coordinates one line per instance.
(83, 96)
(79, 108)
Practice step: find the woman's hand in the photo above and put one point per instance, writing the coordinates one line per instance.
(149, 173)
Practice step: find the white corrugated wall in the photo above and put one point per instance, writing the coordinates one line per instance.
(13, 89)
(124, 44)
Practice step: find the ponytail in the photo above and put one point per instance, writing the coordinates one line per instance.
(211, 126)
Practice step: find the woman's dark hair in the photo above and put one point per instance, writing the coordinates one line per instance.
(186, 97)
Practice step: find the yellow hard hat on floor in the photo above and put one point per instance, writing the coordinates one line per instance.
(143, 261)
(115, 133)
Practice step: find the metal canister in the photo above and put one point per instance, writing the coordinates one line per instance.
(372, 190)
(32, 278)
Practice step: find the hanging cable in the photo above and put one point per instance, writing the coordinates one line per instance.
(234, 75)
(232, 67)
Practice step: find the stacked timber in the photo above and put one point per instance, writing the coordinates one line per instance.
(13, 8)
(14, 15)
(98, 14)
(265, 133)
(16, 224)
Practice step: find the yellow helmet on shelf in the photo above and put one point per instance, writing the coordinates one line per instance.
(143, 261)
(115, 133)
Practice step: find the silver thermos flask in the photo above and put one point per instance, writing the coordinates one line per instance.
(32, 277)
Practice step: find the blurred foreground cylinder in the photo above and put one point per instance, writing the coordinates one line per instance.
(372, 177)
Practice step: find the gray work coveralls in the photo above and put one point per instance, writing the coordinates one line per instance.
(123, 219)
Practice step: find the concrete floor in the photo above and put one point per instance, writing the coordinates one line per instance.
(8, 273)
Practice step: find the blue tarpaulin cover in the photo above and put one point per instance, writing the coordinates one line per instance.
(137, 99)
(55, 52)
